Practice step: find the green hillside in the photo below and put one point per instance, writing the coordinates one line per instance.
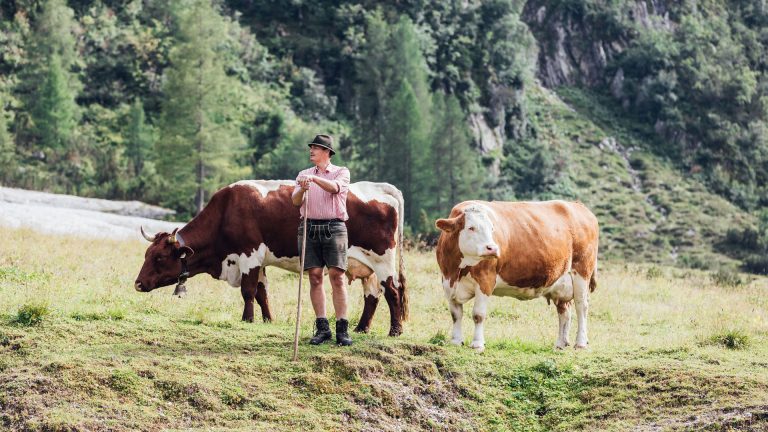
(648, 209)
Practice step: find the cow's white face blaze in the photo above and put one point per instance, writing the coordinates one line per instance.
(476, 239)
(475, 235)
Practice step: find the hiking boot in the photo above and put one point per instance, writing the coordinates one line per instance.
(342, 333)
(323, 332)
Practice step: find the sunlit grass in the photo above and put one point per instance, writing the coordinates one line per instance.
(661, 348)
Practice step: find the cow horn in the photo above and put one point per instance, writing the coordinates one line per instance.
(172, 237)
(146, 236)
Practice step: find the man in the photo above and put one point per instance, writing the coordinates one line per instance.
(327, 186)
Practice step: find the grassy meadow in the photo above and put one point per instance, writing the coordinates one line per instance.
(670, 349)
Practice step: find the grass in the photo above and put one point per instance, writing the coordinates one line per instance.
(105, 357)
(649, 210)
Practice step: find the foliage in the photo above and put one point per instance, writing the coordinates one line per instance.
(750, 244)
(701, 83)
(726, 278)
(454, 166)
(199, 133)
(7, 149)
(31, 314)
(732, 339)
(106, 99)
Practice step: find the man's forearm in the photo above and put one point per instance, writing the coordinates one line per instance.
(327, 185)
(297, 197)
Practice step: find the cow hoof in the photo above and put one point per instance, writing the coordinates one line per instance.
(477, 347)
(395, 332)
(561, 345)
(361, 330)
(580, 346)
(250, 320)
(457, 342)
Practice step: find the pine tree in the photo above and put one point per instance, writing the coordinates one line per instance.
(55, 110)
(7, 149)
(199, 133)
(51, 84)
(408, 118)
(404, 135)
(139, 138)
(456, 165)
(374, 69)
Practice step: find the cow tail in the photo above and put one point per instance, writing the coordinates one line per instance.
(405, 301)
(593, 279)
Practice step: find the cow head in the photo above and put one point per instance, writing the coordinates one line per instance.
(162, 261)
(475, 233)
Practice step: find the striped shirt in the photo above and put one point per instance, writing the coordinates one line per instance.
(323, 204)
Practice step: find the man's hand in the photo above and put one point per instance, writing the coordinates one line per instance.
(305, 180)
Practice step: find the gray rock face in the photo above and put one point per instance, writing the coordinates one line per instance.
(125, 208)
(82, 217)
(486, 138)
(575, 50)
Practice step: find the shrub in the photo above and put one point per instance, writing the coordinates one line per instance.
(234, 397)
(653, 273)
(124, 381)
(727, 278)
(757, 264)
(731, 339)
(548, 368)
(31, 314)
(440, 338)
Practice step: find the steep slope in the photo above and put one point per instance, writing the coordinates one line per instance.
(649, 211)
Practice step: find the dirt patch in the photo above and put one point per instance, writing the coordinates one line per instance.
(753, 418)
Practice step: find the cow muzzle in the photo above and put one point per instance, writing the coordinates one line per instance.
(490, 251)
(139, 287)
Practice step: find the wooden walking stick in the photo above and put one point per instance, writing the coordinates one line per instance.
(301, 276)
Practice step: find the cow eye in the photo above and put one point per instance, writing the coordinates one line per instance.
(159, 258)
(472, 228)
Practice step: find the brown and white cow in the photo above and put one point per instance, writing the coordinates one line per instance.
(523, 250)
(252, 224)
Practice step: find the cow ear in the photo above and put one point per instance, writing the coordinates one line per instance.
(185, 252)
(447, 225)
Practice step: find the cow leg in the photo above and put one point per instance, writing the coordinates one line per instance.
(564, 315)
(392, 294)
(262, 295)
(371, 294)
(581, 297)
(479, 313)
(248, 290)
(457, 313)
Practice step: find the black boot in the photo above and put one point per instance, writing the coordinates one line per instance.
(342, 333)
(323, 332)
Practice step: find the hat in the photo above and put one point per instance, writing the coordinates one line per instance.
(325, 141)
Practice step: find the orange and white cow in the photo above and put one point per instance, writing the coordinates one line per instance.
(523, 250)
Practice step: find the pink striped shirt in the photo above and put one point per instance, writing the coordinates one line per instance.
(323, 204)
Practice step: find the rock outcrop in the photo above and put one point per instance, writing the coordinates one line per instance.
(576, 46)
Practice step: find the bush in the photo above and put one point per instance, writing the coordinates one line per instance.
(727, 278)
(124, 381)
(653, 273)
(234, 397)
(757, 264)
(31, 314)
(440, 338)
(731, 339)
